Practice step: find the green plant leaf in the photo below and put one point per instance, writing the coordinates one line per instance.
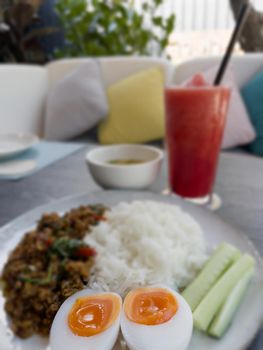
(170, 24)
(158, 2)
(158, 20)
(113, 27)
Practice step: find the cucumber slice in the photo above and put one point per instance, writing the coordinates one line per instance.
(217, 295)
(222, 258)
(228, 310)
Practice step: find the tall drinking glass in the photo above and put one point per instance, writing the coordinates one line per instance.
(195, 120)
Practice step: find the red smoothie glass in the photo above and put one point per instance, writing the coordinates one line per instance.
(195, 120)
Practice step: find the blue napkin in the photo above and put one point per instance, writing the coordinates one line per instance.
(44, 153)
(252, 94)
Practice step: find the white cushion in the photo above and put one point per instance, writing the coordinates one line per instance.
(59, 69)
(76, 103)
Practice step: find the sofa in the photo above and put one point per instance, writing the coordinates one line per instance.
(24, 88)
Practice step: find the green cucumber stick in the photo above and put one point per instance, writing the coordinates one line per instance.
(222, 258)
(226, 314)
(217, 295)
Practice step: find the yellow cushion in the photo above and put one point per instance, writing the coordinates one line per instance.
(136, 107)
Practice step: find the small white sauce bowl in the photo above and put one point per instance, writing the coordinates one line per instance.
(132, 176)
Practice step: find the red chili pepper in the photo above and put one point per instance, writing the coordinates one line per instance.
(99, 217)
(49, 242)
(85, 252)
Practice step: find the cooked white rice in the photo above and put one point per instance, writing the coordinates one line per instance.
(143, 243)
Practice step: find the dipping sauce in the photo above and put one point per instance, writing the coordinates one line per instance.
(127, 161)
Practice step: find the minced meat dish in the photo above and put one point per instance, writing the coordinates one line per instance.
(50, 264)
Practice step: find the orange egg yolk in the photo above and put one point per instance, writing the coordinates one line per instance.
(93, 314)
(150, 306)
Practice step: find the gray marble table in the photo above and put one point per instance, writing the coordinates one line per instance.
(239, 183)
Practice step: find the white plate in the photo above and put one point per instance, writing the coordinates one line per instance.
(13, 144)
(250, 314)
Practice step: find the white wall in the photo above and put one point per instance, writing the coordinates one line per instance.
(201, 14)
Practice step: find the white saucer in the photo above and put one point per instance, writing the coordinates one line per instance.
(17, 167)
(15, 143)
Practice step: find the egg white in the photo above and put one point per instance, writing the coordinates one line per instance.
(174, 334)
(61, 336)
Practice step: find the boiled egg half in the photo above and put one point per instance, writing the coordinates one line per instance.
(156, 318)
(87, 321)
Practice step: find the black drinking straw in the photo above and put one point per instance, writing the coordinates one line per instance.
(235, 35)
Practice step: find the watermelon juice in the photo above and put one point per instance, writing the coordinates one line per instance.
(195, 120)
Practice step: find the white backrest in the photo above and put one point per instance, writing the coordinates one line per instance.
(118, 68)
(244, 67)
(23, 91)
(113, 68)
